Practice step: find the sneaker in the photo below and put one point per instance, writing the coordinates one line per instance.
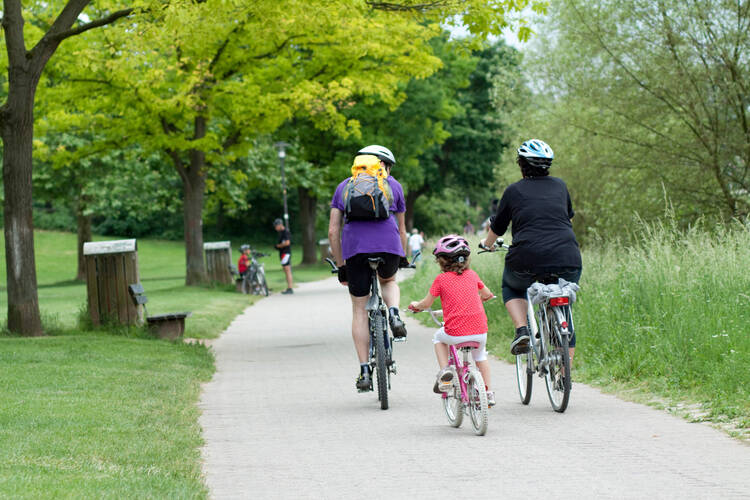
(443, 381)
(364, 382)
(520, 344)
(397, 325)
(490, 399)
(288, 291)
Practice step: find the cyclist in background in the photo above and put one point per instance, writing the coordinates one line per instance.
(244, 261)
(461, 295)
(539, 210)
(353, 241)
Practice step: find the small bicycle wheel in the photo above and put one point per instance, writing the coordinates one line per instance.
(381, 369)
(524, 376)
(478, 409)
(558, 369)
(454, 407)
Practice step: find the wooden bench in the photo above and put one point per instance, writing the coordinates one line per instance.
(165, 326)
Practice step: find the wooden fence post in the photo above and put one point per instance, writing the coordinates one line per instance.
(218, 261)
(110, 267)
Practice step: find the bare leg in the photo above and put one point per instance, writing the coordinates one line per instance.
(517, 309)
(484, 369)
(442, 353)
(360, 333)
(288, 273)
(390, 290)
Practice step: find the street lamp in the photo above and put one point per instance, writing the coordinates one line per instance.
(281, 146)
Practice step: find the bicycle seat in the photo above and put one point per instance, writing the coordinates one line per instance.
(375, 262)
(467, 345)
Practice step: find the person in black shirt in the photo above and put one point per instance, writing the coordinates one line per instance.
(285, 253)
(539, 210)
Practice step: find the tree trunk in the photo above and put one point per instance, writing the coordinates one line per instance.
(194, 184)
(17, 130)
(308, 208)
(84, 235)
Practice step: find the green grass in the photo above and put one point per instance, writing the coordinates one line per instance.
(100, 417)
(162, 271)
(667, 317)
(111, 413)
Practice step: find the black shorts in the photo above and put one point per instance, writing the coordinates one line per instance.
(358, 271)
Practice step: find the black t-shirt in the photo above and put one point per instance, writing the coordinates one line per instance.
(539, 211)
(284, 235)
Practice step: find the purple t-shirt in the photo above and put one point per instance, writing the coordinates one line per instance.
(365, 236)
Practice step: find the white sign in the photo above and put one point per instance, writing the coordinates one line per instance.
(115, 246)
(216, 245)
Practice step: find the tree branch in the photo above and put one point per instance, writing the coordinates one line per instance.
(93, 24)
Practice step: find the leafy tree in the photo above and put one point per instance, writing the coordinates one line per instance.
(217, 76)
(53, 22)
(660, 113)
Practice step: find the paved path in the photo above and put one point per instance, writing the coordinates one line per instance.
(281, 419)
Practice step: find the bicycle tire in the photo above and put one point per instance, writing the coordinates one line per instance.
(262, 283)
(453, 406)
(478, 408)
(557, 377)
(381, 369)
(524, 376)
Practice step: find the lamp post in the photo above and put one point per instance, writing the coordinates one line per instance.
(281, 146)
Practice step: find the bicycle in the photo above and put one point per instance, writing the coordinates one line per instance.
(254, 278)
(550, 320)
(467, 394)
(382, 364)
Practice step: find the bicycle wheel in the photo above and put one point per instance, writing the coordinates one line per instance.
(381, 369)
(524, 376)
(262, 285)
(454, 407)
(478, 409)
(558, 370)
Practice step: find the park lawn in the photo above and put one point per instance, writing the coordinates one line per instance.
(100, 416)
(111, 413)
(162, 271)
(663, 321)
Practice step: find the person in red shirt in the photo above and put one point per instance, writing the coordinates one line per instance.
(244, 261)
(461, 294)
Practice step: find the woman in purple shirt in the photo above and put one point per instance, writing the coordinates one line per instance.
(359, 240)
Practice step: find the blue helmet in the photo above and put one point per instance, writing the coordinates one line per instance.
(534, 148)
(536, 153)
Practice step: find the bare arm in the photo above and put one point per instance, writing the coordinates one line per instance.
(422, 304)
(334, 235)
(401, 219)
(491, 237)
(485, 294)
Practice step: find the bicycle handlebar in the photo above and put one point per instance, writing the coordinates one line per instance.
(411, 265)
(499, 245)
(334, 267)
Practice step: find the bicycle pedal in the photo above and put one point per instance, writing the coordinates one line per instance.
(399, 339)
(393, 368)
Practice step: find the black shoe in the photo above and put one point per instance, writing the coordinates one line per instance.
(364, 382)
(288, 291)
(520, 344)
(397, 325)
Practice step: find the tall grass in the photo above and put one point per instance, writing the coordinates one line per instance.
(669, 314)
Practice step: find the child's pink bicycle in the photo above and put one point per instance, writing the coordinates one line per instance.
(467, 394)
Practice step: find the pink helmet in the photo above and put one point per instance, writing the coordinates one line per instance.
(451, 246)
